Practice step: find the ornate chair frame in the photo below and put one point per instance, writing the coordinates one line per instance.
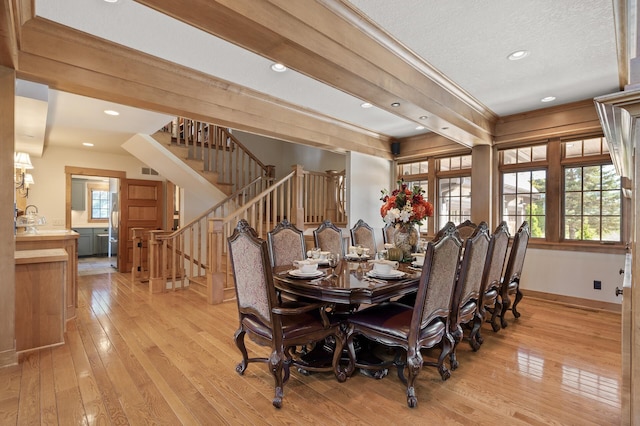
(325, 236)
(466, 229)
(513, 273)
(492, 276)
(283, 240)
(269, 323)
(363, 234)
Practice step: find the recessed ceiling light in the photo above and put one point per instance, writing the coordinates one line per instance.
(111, 1)
(419, 127)
(548, 99)
(111, 112)
(395, 104)
(87, 144)
(423, 117)
(518, 54)
(366, 105)
(278, 67)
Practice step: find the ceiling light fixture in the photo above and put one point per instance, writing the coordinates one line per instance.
(366, 105)
(419, 127)
(111, 112)
(87, 144)
(278, 67)
(395, 104)
(423, 117)
(518, 54)
(111, 1)
(548, 99)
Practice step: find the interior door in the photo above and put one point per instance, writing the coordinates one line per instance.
(141, 206)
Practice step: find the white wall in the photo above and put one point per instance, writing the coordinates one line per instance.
(48, 192)
(366, 177)
(283, 155)
(571, 273)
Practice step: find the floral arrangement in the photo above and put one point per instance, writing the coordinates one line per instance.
(404, 205)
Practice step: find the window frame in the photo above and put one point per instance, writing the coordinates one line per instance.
(91, 187)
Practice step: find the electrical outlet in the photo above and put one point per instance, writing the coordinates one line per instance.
(597, 285)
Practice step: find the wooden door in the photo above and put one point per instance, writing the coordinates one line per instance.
(141, 207)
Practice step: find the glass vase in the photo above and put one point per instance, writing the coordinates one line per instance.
(406, 239)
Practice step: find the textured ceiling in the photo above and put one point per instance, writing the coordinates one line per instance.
(572, 55)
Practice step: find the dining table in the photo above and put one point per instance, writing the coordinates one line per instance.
(351, 283)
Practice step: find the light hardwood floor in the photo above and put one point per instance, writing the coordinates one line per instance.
(134, 358)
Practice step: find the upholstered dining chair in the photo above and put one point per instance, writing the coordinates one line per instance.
(387, 233)
(513, 273)
(465, 229)
(492, 276)
(286, 244)
(362, 234)
(269, 323)
(467, 295)
(329, 238)
(410, 329)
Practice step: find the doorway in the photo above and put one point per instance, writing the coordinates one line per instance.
(92, 210)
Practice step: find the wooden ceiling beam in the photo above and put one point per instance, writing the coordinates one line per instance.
(332, 43)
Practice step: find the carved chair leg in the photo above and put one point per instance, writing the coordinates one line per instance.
(340, 339)
(506, 303)
(447, 346)
(475, 332)
(239, 339)
(495, 326)
(276, 364)
(414, 364)
(516, 301)
(351, 366)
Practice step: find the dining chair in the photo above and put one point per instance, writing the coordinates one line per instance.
(362, 234)
(269, 323)
(513, 273)
(492, 276)
(286, 244)
(467, 296)
(387, 233)
(465, 229)
(329, 238)
(410, 329)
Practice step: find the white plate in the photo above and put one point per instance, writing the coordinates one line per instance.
(319, 261)
(299, 274)
(416, 264)
(393, 274)
(356, 257)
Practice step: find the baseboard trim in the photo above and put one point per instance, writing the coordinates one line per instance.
(8, 358)
(574, 301)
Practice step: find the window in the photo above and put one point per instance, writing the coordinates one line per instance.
(592, 202)
(454, 200)
(99, 197)
(523, 180)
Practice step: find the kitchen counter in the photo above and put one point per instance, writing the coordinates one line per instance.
(54, 239)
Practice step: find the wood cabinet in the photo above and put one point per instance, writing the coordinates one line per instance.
(67, 240)
(40, 298)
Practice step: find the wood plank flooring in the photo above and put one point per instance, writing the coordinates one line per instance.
(169, 359)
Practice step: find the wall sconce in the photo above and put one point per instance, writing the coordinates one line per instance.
(22, 163)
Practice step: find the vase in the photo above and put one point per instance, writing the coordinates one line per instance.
(406, 239)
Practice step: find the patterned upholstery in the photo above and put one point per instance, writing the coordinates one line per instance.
(468, 287)
(513, 272)
(492, 277)
(329, 238)
(423, 326)
(387, 233)
(362, 234)
(280, 326)
(465, 229)
(286, 244)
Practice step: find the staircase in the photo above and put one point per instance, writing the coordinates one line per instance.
(194, 256)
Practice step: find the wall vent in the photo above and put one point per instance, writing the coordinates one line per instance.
(149, 171)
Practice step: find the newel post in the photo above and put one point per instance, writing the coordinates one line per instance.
(297, 192)
(157, 279)
(136, 268)
(216, 276)
(270, 171)
(333, 186)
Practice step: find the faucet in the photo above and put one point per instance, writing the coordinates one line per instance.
(33, 207)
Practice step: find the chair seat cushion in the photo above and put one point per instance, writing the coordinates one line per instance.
(393, 319)
(293, 326)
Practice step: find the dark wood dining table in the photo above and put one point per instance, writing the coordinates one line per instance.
(350, 285)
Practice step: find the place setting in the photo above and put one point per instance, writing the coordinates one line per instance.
(358, 254)
(385, 269)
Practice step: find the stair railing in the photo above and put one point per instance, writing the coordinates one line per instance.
(181, 256)
(220, 152)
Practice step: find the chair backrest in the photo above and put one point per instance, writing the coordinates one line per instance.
(515, 263)
(387, 233)
(286, 244)
(472, 267)
(255, 292)
(465, 229)
(362, 234)
(496, 257)
(329, 237)
(435, 291)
